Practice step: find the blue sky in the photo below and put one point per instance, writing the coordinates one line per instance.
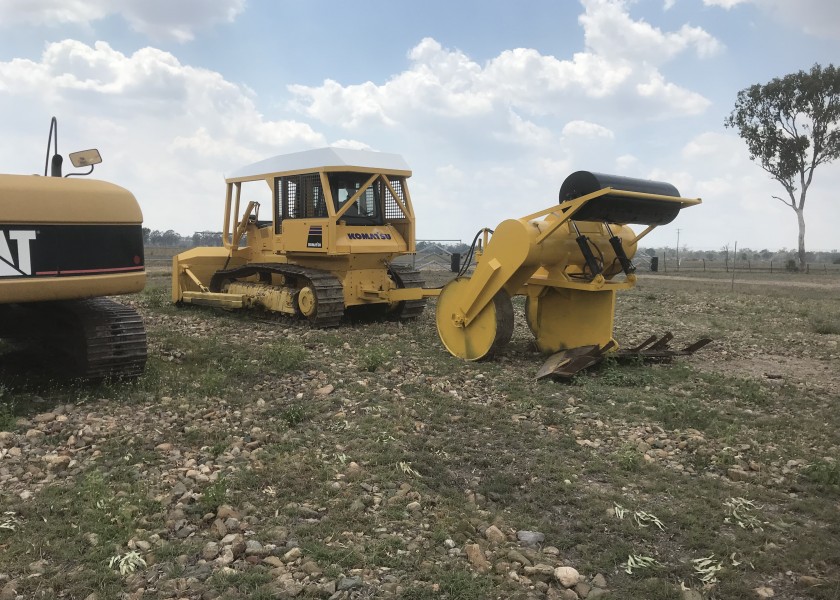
(491, 103)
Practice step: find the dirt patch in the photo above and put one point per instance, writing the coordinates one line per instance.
(775, 368)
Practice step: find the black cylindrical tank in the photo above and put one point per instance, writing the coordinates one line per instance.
(620, 209)
(455, 262)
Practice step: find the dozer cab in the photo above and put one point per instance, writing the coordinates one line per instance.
(65, 244)
(312, 234)
(568, 261)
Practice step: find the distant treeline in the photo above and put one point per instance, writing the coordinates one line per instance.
(727, 254)
(173, 239)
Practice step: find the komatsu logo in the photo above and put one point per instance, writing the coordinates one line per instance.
(369, 236)
(21, 241)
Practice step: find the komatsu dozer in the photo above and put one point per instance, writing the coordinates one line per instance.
(336, 220)
(66, 244)
(568, 261)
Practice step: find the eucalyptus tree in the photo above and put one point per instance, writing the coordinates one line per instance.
(791, 127)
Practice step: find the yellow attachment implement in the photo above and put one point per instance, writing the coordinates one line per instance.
(563, 260)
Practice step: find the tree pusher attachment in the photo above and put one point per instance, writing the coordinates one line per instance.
(565, 261)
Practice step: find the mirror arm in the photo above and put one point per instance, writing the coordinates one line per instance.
(80, 174)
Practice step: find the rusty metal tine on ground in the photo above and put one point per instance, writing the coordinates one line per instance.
(662, 343)
(643, 345)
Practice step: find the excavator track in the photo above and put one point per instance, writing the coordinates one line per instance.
(407, 278)
(328, 290)
(88, 339)
(113, 339)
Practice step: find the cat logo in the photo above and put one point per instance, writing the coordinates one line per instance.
(21, 240)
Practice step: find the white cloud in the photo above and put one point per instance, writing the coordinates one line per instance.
(51, 12)
(541, 116)
(626, 164)
(727, 4)
(350, 144)
(444, 88)
(158, 19)
(611, 32)
(727, 151)
(168, 129)
(587, 129)
(526, 133)
(672, 99)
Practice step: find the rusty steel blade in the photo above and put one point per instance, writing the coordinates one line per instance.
(565, 363)
(660, 349)
(643, 345)
(691, 349)
(662, 343)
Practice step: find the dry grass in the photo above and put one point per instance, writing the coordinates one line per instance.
(733, 453)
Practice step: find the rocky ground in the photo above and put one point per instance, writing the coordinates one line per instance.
(260, 459)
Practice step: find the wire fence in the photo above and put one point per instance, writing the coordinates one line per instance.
(668, 265)
(433, 255)
(437, 255)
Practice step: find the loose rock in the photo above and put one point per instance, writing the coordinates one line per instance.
(566, 576)
(476, 557)
(494, 535)
(530, 538)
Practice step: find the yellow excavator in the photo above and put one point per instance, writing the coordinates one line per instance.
(568, 261)
(65, 244)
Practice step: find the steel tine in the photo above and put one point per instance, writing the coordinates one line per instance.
(691, 349)
(643, 345)
(662, 343)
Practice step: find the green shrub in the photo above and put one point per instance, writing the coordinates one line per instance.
(823, 472)
(214, 495)
(826, 324)
(294, 415)
(286, 357)
(373, 358)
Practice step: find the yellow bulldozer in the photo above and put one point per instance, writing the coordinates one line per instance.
(65, 244)
(337, 219)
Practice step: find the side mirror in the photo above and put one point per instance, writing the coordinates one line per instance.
(85, 158)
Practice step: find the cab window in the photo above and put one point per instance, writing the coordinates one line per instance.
(366, 210)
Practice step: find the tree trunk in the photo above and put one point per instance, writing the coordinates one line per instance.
(800, 215)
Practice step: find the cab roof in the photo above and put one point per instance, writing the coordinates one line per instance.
(323, 159)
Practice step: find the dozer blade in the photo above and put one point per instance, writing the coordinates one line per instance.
(566, 363)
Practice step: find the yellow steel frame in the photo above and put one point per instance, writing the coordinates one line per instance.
(509, 266)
